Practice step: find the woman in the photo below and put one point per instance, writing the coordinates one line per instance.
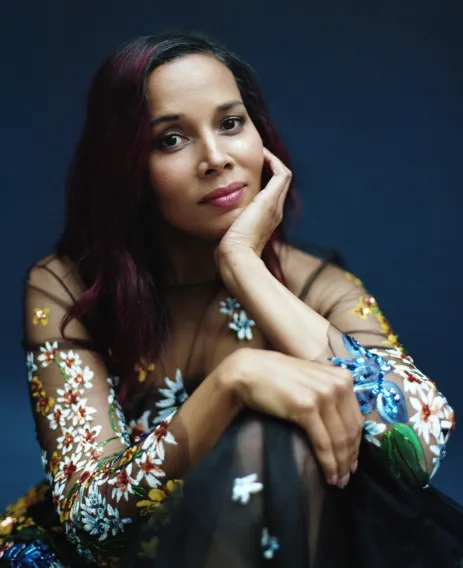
(204, 394)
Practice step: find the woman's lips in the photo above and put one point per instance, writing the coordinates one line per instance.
(226, 200)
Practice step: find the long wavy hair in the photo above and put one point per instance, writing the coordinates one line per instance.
(108, 231)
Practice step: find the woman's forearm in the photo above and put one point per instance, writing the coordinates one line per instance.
(291, 326)
(209, 411)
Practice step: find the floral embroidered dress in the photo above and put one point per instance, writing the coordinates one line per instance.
(119, 490)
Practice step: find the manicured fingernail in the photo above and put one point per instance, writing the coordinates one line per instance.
(344, 481)
(354, 466)
(333, 480)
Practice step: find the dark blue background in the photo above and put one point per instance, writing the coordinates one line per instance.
(368, 96)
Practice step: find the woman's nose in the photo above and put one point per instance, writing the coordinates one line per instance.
(214, 157)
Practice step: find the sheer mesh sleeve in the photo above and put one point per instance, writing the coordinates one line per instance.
(101, 484)
(405, 414)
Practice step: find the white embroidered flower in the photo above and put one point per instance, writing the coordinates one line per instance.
(67, 441)
(228, 305)
(242, 325)
(69, 395)
(30, 365)
(80, 413)
(396, 353)
(70, 360)
(429, 409)
(123, 482)
(57, 495)
(174, 396)
(68, 466)
(139, 426)
(49, 353)
(414, 380)
(88, 437)
(150, 470)
(373, 429)
(58, 417)
(80, 378)
(154, 443)
(244, 487)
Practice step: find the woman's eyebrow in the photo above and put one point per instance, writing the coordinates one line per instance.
(171, 117)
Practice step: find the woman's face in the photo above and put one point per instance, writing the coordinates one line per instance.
(204, 148)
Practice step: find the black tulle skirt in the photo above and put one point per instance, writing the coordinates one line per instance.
(375, 522)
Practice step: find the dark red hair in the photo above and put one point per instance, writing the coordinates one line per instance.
(109, 208)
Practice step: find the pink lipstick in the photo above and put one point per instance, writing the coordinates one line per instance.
(225, 196)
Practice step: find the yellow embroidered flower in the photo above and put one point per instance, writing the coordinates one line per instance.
(54, 463)
(353, 278)
(36, 387)
(149, 548)
(157, 496)
(143, 368)
(366, 307)
(24, 522)
(127, 456)
(40, 315)
(155, 499)
(392, 338)
(44, 403)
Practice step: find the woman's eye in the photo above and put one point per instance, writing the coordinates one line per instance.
(164, 142)
(231, 120)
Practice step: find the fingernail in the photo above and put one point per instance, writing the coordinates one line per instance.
(333, 480)
(354, 466)
(344, 481)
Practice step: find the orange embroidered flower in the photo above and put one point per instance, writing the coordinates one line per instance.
(40, 315)
(143, 368)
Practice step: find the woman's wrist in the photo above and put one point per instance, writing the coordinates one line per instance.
(238, 265)
(230, 377)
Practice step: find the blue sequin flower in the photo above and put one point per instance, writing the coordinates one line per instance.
(33, 555)
(269, 544)
(373, 392)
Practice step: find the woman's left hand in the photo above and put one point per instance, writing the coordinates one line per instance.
(253, 228)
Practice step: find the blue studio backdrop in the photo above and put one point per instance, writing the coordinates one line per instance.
(368, 96)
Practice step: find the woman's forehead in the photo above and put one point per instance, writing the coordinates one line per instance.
(190, 80)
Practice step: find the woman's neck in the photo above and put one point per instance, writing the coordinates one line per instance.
(187, 260)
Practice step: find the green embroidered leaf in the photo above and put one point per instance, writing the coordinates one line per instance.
(103, 444)
(111, 416)
(140, 491)
(404, 451)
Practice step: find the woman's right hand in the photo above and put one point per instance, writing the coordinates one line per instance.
(319, 398)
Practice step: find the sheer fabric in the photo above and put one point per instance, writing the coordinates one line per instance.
(122, 490)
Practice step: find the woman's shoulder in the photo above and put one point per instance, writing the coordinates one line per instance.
(56, 271)
(314, 276)
(299, 266)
